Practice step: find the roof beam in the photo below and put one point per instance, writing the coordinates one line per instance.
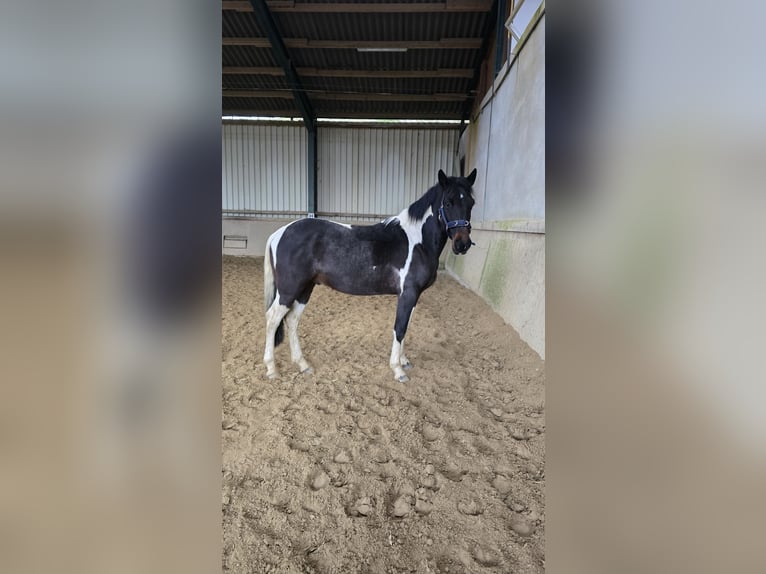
(279, 51)
(366, 8)
(329, 73)
(346, 96)
(284, 94)
(440, 73)
(254, 71)
(299, 43)
(361, 115)
(368, 97)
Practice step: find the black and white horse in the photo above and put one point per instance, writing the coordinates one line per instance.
(398, 256)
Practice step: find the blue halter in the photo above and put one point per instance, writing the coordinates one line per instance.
(451, 226)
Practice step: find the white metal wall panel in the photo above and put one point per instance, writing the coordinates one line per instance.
(379, 171)
(264, 170)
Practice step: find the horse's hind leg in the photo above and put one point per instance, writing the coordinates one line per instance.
(292, 320)
(274, 317)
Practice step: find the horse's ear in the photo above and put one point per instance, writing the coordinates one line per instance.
(472, 177)
(442, 178)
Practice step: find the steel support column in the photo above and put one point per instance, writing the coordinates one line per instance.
(312, 170)
(282, 58)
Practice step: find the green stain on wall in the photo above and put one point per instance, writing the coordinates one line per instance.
(508, 224)
(456, 263)
(496, 271)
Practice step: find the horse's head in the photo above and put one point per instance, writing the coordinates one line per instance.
(455, 210)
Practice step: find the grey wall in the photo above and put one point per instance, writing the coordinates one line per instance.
(506, 144)
(264, 169)
(380, 171)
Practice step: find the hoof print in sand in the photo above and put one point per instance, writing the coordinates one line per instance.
(486, 556)
(318, 480)
(362, 506)
(298, 445)
(501, 484)
(470, 507)
(342, 457)
(400, 506)
(453, 472)
(423, 504)
(431, 432)
(522, 526)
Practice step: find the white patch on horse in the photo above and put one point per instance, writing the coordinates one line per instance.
(273, 241)
(414, 231)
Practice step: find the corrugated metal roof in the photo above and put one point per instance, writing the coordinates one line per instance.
(380, 26)
(450, 70)
(247, 56)
(254, 82)
(410, 60)
(422, 110)
(240, 25)
(413, 86)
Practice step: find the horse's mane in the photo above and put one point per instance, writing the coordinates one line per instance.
(418, 209)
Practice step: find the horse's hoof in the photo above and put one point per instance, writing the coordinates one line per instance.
(272, 376)
(307, 371)
(407, 366)
(403, 379)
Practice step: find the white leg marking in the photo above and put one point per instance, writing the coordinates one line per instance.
(274, 317)
(403, 360)
(292, 320)
(395, 362)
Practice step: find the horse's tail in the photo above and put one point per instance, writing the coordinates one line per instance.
(270, 291)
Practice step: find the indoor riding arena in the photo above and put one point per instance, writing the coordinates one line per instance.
(347, 112)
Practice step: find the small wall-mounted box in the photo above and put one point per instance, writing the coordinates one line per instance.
(235, 241)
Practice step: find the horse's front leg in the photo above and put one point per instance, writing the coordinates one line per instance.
(407, 301)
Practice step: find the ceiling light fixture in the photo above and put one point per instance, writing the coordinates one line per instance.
(381, 49)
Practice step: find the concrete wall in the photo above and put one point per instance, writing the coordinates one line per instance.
(506, 143)
(256, 231)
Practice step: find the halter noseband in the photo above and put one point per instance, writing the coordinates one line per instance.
(451, 226)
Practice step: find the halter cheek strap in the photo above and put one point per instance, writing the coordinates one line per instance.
(450, 226)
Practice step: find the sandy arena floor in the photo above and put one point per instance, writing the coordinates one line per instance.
(349, 471)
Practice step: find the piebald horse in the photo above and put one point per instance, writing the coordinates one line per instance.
(398, 256)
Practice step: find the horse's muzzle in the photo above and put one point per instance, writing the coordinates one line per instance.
(461, 244)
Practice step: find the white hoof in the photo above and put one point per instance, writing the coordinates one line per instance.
(303, 366)
(403, 378)
(273, 375)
